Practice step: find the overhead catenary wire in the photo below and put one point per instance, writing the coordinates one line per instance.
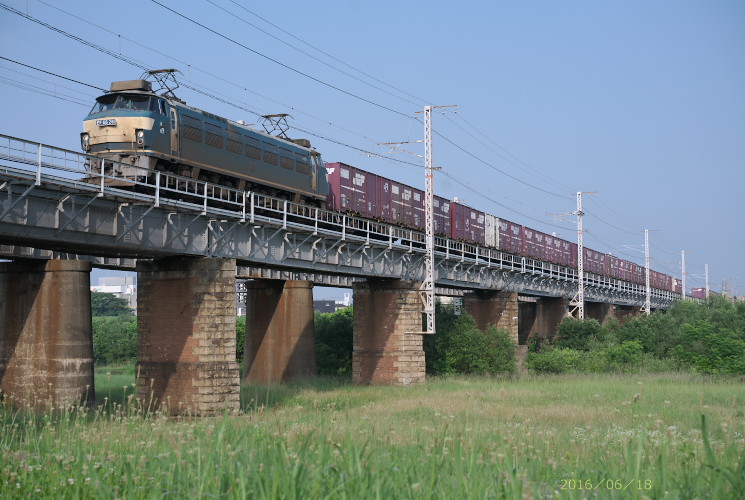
(56, 85)
(53, 74)
(419, 104)
(38, 90)
(287, 66)
(329, 55)
(511, 158)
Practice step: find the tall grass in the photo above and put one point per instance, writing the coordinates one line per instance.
(620, 436)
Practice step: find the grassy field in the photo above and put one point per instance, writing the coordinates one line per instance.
(604, 436)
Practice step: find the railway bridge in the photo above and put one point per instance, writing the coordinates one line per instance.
(192, 242)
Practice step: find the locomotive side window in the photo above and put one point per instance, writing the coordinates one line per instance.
(157, 106)
(253, 149)
(286, 160)
(214, 135)
(270, 153)
(235, 145)
(301, 164)
(192, 128)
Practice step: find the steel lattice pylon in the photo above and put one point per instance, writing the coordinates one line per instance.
(428, 285)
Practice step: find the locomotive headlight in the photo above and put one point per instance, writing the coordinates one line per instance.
(85, 141)
(140, 135)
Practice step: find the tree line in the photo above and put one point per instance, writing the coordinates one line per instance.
(705, 338)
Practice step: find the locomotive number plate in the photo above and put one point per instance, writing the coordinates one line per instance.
(106, 123)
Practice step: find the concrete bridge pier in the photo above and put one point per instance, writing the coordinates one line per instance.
(625, 312)
(539, 320)
(600, 311)
(494, 307)
(280, 336)
(46, 343)
(186, 344)
(388, 343)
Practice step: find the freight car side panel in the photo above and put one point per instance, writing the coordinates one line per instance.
(510, 237)
(467, 224)
(441, 209)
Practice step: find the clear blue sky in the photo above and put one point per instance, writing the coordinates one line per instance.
(643, 102)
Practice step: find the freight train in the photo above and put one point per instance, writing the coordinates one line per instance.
(137, 132)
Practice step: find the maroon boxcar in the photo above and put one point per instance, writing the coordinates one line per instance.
(700, 293)
(467, 224)
(535, 244)
(595, 262)
(510, 237)
(352, 190)
(441, 209)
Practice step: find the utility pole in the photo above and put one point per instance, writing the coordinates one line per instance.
(428, 285)
(648, 299)
(683, 273)
(706, 266)
(579, 301)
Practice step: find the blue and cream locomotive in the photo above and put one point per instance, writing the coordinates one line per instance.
(132, 125)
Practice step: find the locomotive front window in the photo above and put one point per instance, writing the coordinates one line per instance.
(103, 103)
(133, 102)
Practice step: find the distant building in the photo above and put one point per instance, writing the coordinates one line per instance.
(123, 287)
(332, 305)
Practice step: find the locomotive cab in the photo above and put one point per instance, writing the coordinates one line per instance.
(129, 125)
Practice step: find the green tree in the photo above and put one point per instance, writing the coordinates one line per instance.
(334, 341)
(114, 339)
(575, 334)
(240, 337)
(460, 347)
(108, 304)
(711, 349)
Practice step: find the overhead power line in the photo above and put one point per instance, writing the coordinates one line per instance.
(511, 158)
(496, 168)
(327, 54)
(287, 66)
(39, 90)
(50, 73)
(311, 55)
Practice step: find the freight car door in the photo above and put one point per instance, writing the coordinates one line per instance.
(174, 132)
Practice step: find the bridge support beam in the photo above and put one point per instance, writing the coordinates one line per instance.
(46, 345)
(388, 342)
(280, 337)
(186, 343)
(494, 307)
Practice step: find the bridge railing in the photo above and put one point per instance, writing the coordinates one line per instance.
(100, 177)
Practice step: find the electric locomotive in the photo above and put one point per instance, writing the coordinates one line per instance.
(138, 132)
